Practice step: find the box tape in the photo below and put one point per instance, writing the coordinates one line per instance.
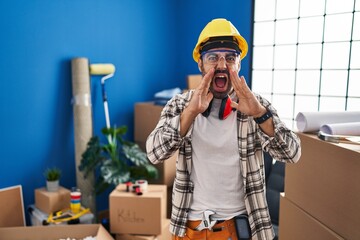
(143, 184)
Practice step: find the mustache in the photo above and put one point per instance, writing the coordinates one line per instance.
(221, 71)
(225, 71)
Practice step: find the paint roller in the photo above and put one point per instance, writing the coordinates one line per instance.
(107, 70)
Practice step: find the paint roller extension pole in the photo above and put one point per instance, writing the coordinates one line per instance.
(106, 107)
(108, 70)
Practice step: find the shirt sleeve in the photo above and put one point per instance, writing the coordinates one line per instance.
(285, 144)
(165, 139)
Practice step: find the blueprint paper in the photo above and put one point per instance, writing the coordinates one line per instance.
(312, 121)
(352, 128)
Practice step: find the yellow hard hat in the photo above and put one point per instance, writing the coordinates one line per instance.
(220, 27)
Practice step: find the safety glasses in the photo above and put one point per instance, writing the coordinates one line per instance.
(213, 57)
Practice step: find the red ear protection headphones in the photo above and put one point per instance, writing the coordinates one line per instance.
(224, 111)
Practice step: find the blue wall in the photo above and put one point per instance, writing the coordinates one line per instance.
(149, 42)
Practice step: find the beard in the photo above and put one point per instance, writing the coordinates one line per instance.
(223, 94)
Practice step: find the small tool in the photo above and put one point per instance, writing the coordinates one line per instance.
(206, 221)
(339, 138)
(65, 215)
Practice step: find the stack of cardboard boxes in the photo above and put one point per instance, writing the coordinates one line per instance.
(143, 217)
(134, 216)
(322, 192)
(146, 117)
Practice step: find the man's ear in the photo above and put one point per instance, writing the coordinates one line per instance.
(200, 64)
(239, 66)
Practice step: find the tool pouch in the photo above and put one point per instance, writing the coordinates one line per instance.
(242, 226)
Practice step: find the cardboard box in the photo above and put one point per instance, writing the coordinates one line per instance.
(296, 224)
(147, 116)
(49, 202)
(55, 233)
(193, 80)
(11, 207)
(165, 234)
(37, 217)
(326, 184)
(133, 214)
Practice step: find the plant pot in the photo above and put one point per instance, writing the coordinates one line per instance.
(52, 186)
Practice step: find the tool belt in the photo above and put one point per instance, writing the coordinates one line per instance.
(221, 230)
(237, 226)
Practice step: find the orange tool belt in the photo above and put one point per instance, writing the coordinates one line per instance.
(221, 230)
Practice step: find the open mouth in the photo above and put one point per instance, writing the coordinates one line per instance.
(220, 81)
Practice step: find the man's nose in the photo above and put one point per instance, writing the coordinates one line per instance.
(221, 63)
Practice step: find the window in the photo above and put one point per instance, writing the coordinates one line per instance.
(306, 55)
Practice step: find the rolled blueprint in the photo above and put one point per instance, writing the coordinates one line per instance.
(83, 127)
(312, 121)
(351, 128)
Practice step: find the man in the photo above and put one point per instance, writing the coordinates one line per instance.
(221, 130)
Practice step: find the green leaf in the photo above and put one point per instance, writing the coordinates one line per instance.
(114, 131)
(101, 185)
(152, 171)
(135, 154)
(92, 157)
(114, 173)
(144, 172)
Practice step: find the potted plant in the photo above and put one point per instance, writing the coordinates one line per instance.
(117, 160)
(52, 176)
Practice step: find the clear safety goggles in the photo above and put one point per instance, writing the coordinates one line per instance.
(213, 57)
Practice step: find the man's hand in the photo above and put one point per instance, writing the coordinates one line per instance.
(248, 103)
(198, 104)
(202, 96)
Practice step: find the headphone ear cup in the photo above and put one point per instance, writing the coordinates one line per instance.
(224, 111)
(225, 108)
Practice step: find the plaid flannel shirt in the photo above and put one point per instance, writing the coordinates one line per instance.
(165, 140)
